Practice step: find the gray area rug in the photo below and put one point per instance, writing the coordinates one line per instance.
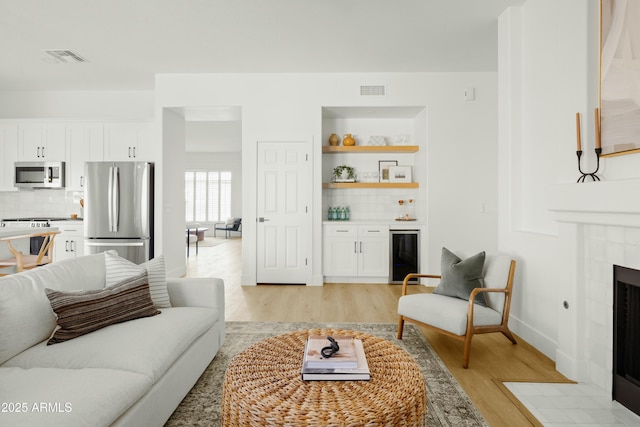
(448, 404)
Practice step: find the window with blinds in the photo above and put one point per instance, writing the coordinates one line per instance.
(207, 196)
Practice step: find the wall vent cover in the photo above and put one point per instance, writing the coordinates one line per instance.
(65, 56)
(372, 90)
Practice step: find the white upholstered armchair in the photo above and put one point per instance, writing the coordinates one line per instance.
(458, 317)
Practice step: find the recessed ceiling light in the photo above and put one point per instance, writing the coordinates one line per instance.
(64, 56)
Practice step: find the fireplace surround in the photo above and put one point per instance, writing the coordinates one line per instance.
(599, 224)
(626, 337)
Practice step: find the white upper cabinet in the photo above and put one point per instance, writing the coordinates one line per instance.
(85, 142)
(42, 142)
(8, 155)
(127, 141)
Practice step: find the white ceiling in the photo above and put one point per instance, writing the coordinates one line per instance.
(127, 41)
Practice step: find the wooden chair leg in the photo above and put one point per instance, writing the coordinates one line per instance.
(507, 333)
(467, 350)
(400, 327)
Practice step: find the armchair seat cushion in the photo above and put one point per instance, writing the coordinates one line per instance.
(449, 314)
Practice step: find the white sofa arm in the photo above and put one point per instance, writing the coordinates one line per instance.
(197, 292)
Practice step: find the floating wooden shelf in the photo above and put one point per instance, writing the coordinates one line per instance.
(370, 149)
(370, 185)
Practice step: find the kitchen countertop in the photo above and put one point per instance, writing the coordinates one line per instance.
(393, 225)
(23, 231)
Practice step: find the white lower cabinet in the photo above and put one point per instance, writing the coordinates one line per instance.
(356, 250)
(70, 242)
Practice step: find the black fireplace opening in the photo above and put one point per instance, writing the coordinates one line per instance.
(626, 337)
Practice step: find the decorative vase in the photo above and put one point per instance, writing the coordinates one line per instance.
(334, 140)
(348, 140)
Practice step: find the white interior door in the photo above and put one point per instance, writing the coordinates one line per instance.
(283, 229)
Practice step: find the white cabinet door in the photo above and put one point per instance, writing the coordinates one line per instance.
(8, 155)
(373, 251)
(84, 144)
(356, 251)
(42, 142)
(70, 242)
(340, 251)
(127, 141)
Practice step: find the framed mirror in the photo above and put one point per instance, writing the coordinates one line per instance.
(620, 76)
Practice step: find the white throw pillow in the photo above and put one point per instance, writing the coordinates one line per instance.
(119, 269)
(230, 221)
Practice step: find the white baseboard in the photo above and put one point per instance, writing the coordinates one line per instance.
(541, 342)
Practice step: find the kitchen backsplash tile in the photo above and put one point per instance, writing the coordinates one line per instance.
(368, 204)
(39, 203)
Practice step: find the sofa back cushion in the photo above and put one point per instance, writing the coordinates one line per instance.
(83, 273)
(26, 317)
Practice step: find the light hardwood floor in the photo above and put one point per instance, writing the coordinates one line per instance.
(493, 358)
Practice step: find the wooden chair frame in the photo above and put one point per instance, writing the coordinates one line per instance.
(26, 262)
(503, 327)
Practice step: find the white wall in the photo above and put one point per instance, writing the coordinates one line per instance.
(548, 71)
(169, 201)
(461, 142)
(78, 104)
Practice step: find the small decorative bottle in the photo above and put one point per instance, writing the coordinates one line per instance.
(347, 214)
(330, 214)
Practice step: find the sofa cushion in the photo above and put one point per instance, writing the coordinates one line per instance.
(118, 269)
(82, 273)
(25, 315)
(460, 277)
(81, 312)
(72, 398)
(449, 314)
(146, 346)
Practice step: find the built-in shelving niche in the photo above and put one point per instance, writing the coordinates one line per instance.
(409, 122)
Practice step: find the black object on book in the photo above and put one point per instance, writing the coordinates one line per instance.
(360, 372)
(345, 358)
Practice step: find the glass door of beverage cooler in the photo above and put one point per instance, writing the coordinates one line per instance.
(405, 255)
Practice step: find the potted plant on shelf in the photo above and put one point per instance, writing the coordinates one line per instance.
(344, 174)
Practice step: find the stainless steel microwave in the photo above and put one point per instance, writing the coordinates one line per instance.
(39, 175)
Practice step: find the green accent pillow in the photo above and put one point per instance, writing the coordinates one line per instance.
(460, 277)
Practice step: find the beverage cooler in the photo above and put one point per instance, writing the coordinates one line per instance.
(404, 255)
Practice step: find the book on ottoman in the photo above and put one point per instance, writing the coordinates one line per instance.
(327, 373)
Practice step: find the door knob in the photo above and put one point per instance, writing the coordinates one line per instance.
(262, 219)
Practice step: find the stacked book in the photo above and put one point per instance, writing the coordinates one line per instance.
(349, 363)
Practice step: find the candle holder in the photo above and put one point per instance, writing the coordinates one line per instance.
(593, 175)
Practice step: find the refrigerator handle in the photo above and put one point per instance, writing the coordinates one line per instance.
(110, 199)
(116, 198)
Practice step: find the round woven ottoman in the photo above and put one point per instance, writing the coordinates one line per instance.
(263, 387)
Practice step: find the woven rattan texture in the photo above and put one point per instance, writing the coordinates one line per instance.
(263, 387)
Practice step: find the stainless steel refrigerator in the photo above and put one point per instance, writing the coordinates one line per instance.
(118, 209)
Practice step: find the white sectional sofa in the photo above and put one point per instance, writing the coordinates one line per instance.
(133, 373)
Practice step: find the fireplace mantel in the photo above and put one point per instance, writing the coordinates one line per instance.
(603, 202)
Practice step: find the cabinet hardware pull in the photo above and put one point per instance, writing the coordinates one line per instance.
(355, 247)
(360, 247)
(42, 152)
(342, 231)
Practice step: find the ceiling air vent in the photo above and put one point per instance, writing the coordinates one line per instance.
(372, 91)
(65, 56)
